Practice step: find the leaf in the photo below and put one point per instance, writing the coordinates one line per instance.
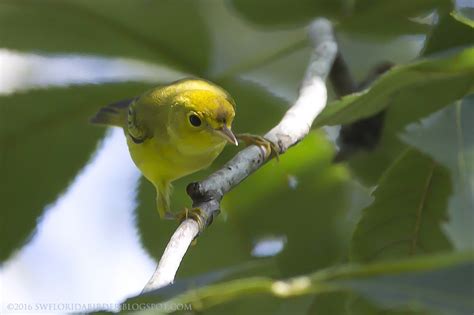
(359, 16)
(389, 148)
(253, 48)
(188, 35)
(150, 30)
(239, 271)
(351, 303)
(409, 104)
(181, 286)
(444, 291)
(252, 101)
(45, 139)
(281, 74)
(287, 12)
(455, 73)
(410, 204)
(448, 137)
(465, 12)
(463, 19)
(441, 38)
(421, 280)
(392, 18)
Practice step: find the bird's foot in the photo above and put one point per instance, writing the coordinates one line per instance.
(271, 149)
(195, 213)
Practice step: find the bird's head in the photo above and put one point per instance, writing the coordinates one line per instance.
(202, 116)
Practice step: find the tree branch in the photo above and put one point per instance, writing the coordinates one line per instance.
(294, 126)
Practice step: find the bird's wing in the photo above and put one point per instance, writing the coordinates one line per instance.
(122, 114)
(136, 126)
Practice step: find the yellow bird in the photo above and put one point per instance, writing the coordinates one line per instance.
(173, 130)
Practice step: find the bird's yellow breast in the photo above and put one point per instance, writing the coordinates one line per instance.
(162, 161)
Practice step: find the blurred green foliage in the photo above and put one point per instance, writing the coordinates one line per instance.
(417, 100)
(45, 141)
(358, 17)
(410, 204)
(423, 80)
(257, 50)
(447, 136)
(432, 281)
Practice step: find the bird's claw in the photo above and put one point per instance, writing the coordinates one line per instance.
(271, 149)
(195, 213)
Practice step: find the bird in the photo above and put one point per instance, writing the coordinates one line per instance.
(173, 130)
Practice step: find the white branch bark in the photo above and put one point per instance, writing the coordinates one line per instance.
(294, 126)
(173, 254)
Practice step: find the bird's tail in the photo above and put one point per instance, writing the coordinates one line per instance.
(163, 193)
(114, 114)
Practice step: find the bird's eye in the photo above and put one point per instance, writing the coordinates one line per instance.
(194, 120)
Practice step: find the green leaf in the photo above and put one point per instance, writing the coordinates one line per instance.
(150, 30)
(188, 35)
(463, 19)
(350, 303)
(287, 12)
(444, 291)
(254, 47)
(411, 103)
(419, 83)
(441, 38)
(379, 159)
(434, 281)
(465, 12)
(253, 101)
(243, 270)
(359, 17)
(392, 18)
(448, 137)
(405, 218)
(45, 139)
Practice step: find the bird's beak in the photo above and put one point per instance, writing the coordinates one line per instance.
(227, 134)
